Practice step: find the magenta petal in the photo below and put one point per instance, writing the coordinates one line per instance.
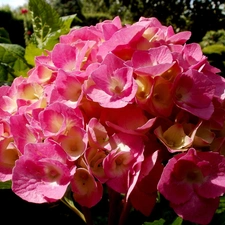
(86, 190)
(172, 189)
(120, 38)
(197, 210)
(214, 185)
(194, 92)
(28, 180)
(42, 173)
(144, 202)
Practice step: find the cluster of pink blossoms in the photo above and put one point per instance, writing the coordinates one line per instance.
(111, 105)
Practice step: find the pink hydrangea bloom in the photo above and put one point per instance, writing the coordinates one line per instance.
(194, 91)
(87, 191)
(114, 85)
(193, 183)
(107, 107)
(42, 174)
(8, 152)
(122, 164)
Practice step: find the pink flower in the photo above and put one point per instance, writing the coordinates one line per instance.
(124, 42)
(86, 191)
(8, 152)
(109, 27)
(57, 119)
(143, 196)
(94, 158)
(114, 85)
(158, 34)
(23, 132)
(153, 62)
(136, 123)
(193, 183)
(97, 134)
(122, 164)
(67, 89)
(193, 91)
(109, 106)
(42, 174)
(41, 74)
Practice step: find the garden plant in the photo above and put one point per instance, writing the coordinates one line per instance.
(132, 113)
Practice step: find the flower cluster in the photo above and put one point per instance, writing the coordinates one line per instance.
(134, 108)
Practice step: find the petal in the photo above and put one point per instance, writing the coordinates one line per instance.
(197, 210)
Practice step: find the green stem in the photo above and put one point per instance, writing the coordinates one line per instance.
(25, 29)
(72, 207)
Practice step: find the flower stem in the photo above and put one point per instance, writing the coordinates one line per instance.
(125, 212)
(114, 207)
(75, 209)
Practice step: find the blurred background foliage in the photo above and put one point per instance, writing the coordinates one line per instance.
(204, 18)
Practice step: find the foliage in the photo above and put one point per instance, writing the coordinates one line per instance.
(213, 45)
(96, 17)
(4, 36)
(13, 26)
(196, 16)
(5, 185)
(177, 221)
(67, 7)
(214, 49)
(213, 37)
(12, 62)
(48, 26)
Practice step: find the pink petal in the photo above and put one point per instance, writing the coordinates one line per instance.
(194, 92)
(86, 191)
(197, 210)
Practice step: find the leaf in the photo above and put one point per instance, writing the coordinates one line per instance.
(221, 207)
(4, 40)
(68, 201)
(177, 221)
(48, 26)
(6, 185)
(66, 22)
(3, 73)
(4, 36)
(30, 52)
(12, 61)
(45, 20)
(155, 222)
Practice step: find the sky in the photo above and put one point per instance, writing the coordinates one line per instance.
(13, 3)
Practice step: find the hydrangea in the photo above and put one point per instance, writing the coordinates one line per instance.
(107, 107)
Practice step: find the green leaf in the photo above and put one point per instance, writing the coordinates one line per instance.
(48, 26)
(45, 21)
(221, 207)
(4, 36)
(177, 221)
(6, 185)
(4, 40)
(68, 201)
(12, 62)
(66, 22)
(3, 73)
(214, 49)
(155, 222)
(30, 52)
